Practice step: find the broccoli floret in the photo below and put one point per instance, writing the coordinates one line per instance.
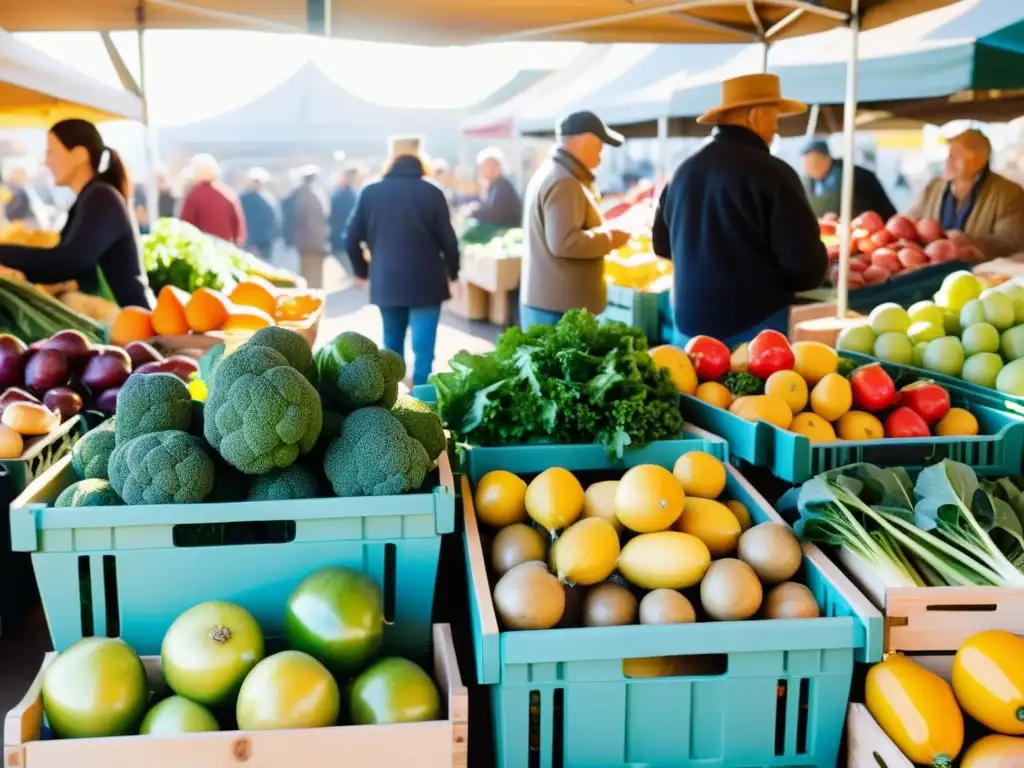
(292, 345)
(90, 455)
(421, 423)
(89, 493)
(261, 413)
(295, 482)
(374, 456)
(161, 468)
(353, 373)
(154, 402)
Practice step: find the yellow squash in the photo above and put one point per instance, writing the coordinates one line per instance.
(995, 751)
(988, 679)
(917, 710)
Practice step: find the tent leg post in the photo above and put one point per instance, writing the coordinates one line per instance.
(149, 138)
(662, 164)
(849, 160)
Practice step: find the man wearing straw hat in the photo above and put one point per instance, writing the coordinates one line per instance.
(735, 221)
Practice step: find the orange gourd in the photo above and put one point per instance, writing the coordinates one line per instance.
(247, 319)
(995, 751)
(169, 312)
(254, 292)
(207, 311)
(131, 324)
(988, 680)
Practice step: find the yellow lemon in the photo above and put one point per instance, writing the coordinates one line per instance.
(957, 423)
(713, 393)
(700, 474)
(790, 386)
(500, 499)
(813, 427)
(858, 425)
(814, 361)
(711, 522)
(770, 408)
(678, 365)
(554, 498)
(831, 397)
(648, 499)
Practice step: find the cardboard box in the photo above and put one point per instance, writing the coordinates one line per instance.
(493, 275)
(472, 303)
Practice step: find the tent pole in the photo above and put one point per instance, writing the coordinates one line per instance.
(764, 56)
(152, 206)
(812, 121)
(849, 159)
(662, 165)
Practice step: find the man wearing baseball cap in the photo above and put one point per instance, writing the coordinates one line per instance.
(735, 221)
(565, 235)
(969, 196)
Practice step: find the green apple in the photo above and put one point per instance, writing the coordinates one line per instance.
(1010, 380)
(927, 312)
(998, 309)
(980, 337)
(958, 288)
(982, 369)
(919, 350)
(945, 355)
(857, 338)
(895, 347)
(972, 312)
(1012, 343)
(925, 332)
(889, 318)
(951, 323)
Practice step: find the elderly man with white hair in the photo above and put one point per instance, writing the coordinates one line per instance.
(502, 206)
(213, 207)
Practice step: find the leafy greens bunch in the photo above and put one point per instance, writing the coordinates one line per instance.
(576, 382)
(947, 528)
(176, 253)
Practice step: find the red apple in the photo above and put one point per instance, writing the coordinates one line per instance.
(874, 275)
(902, 227)
(866, 245)
(940, 251)
(911, 258)
(858, 264)
(883, 237)
(870, 221)
(886, 259)
(929, 230)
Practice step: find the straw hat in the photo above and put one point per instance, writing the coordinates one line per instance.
(761, 90)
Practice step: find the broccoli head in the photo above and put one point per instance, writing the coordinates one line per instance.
(374, 456)
(421, 423)
(292, 345)
(90, 455)
(353, 373)
(89, 493)
(161, 468)
(153, 402)
(261, 412)
(294, 482)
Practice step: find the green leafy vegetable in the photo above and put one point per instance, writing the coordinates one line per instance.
(743, 384)
(576, 382)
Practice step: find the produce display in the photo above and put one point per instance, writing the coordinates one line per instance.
(946, 528)
(506, 245)
(218, 674)
(251, 305)
(881, 249)
(808, 389)
(17, 233)
(625, 551)
(257, 429)
(176, 253)
(967, 332)
(576, 382)
(932, 720)
(31, 314)
(635, 266)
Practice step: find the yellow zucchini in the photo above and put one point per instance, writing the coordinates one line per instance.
(995, 751)
(988, 679)
(917, 710)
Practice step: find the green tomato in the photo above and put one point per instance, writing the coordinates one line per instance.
(209, 650)
(393, 690)
(178, 715)
(288, 690)
(336, 615)
(95, 688)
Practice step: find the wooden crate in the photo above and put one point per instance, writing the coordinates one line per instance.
(493, 275)
(867, 746)
(927, 619)
(438, 744)
(472, 303)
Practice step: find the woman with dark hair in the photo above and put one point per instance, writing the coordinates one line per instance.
(98, 246)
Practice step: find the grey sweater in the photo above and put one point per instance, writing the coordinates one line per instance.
(563, 267)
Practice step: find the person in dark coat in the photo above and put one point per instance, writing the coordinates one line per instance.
(502, 206)
(823, 181)
(262, 221)
(343, 202)
(404, 222)
(735, 222)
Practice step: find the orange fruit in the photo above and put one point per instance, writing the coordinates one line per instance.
(700, 474)
(648, 499)
(713, 393)
(207, 310)
(831, 397)
(958, 422)
(169, 313)
(858, 425)
(295, 307)
(814, 361)
(790, 386)
(813, 427)
(554, 498)
(500, 499)
(254, 292)
(678, 365)
(246, 319)
(770, 408)
(131, 324)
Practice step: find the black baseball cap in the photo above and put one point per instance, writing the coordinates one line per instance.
(579, 123)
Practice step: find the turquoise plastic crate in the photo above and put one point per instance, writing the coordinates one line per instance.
(636, 308)
(425, 393)
(975, 392)
(770, 693)
(747, 439)
(904, 289)
(121, 571)
(17, 586)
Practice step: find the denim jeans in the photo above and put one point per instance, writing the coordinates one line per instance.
(423, 321)
(530, 316)
(777, 321)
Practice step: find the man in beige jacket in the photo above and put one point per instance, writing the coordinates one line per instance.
(565, 235)
(972, 198)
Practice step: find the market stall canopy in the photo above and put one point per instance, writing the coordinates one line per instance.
(311, 113)
(965, 60)
(470, 21)
(37, 91)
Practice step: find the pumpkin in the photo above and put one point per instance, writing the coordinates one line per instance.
(988, 680)
(916, 709)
